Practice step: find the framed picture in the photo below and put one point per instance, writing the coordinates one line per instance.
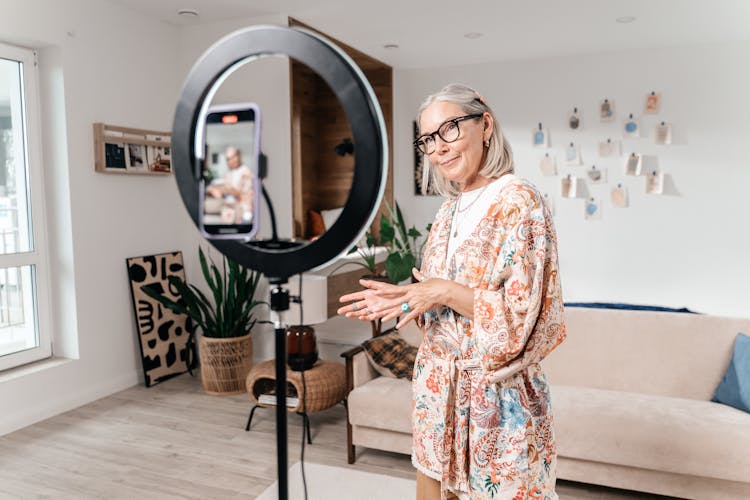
(123, 150)
(162, 334)
(419, 167)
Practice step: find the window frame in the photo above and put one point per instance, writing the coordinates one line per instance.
(38, 256)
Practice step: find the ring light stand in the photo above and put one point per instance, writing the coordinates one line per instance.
(278, 259)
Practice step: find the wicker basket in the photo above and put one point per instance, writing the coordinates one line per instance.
(325, 382)
(225, 364)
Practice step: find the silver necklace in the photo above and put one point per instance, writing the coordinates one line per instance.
(462, 210)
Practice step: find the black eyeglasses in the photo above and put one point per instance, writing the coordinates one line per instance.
(448, 131)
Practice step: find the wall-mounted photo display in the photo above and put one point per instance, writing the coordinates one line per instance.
(550, 202)
(606, 111)
(540, 137)
(631, 129)
(569, 186)
(655, 183)
(593, 209)
(609, 148)
(572, 155)
(597, 175)
(548, 165)
(124, 150)
(620, 196)
(633, 164)
(663, 134)
(653, 103)
(574, 120)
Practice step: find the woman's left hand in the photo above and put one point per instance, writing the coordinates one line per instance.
(386, 301)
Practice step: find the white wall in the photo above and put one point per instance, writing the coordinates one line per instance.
(102, 63)
(687, 248)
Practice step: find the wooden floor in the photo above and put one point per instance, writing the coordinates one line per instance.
(173, 441)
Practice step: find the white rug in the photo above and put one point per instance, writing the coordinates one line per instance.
(325, 482)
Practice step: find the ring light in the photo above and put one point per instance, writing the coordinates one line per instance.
(359, 102)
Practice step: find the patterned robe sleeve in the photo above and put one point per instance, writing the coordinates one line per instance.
(518, 317)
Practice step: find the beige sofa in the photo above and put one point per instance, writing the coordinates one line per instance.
(631, 397)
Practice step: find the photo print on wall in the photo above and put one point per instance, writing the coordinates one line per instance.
(550, 202)
(428, 190)
(597, 175)
(593, 209)
(574, 120)
(548, 165)
(653, 103)
(633, 165)
(663, 134)
(606, 111)
(572, 155)
(569, 186)
(609, 148)
(540, 137)
(620, 196)
(655, 183)
(631, 128)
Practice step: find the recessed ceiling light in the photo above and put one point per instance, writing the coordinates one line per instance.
(390, 46)
(473, 35)
(625, 19)
(187, 13)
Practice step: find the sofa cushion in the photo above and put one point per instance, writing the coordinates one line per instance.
(652, 432)
(734, 389)
(391, 355)
(382, 403)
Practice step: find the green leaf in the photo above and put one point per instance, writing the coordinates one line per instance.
(413, 233)
(398, 267)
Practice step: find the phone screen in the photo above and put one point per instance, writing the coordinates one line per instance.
(230, 186)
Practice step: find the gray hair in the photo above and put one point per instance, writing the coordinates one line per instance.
(499, 157)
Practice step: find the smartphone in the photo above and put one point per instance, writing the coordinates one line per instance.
(230, 191)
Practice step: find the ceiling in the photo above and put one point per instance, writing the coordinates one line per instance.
(432, 33)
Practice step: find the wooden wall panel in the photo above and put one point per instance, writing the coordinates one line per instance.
(321, 179)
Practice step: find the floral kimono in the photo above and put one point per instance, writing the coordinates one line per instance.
(482, 417)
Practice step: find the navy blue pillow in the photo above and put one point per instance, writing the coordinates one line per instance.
(734, 389)
(633, 307)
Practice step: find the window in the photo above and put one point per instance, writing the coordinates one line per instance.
(24, 332)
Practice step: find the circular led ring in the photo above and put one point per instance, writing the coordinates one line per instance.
(365, 119)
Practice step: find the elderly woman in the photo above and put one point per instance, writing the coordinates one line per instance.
(489, 303)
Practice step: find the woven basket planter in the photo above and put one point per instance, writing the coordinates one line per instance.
(225, 364)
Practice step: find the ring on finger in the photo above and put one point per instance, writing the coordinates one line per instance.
(405, 307)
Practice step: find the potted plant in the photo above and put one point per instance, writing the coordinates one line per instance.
(225, 320)
(404, 245)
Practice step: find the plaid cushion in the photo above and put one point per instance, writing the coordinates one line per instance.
(391, 355)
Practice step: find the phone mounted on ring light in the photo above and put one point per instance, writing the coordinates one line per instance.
(228, 181)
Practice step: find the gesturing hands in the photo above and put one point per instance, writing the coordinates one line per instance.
(386, 301)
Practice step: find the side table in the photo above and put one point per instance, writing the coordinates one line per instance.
(325, 385)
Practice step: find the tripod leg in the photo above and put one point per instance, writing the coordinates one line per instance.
(250, 418)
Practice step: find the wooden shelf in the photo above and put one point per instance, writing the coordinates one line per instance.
(126, 150)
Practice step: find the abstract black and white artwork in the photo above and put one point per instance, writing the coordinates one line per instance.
(162, 334)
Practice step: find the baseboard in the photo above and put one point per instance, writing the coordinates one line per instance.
(23, 417)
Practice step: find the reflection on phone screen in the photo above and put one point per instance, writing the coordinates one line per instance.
(230, 174)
